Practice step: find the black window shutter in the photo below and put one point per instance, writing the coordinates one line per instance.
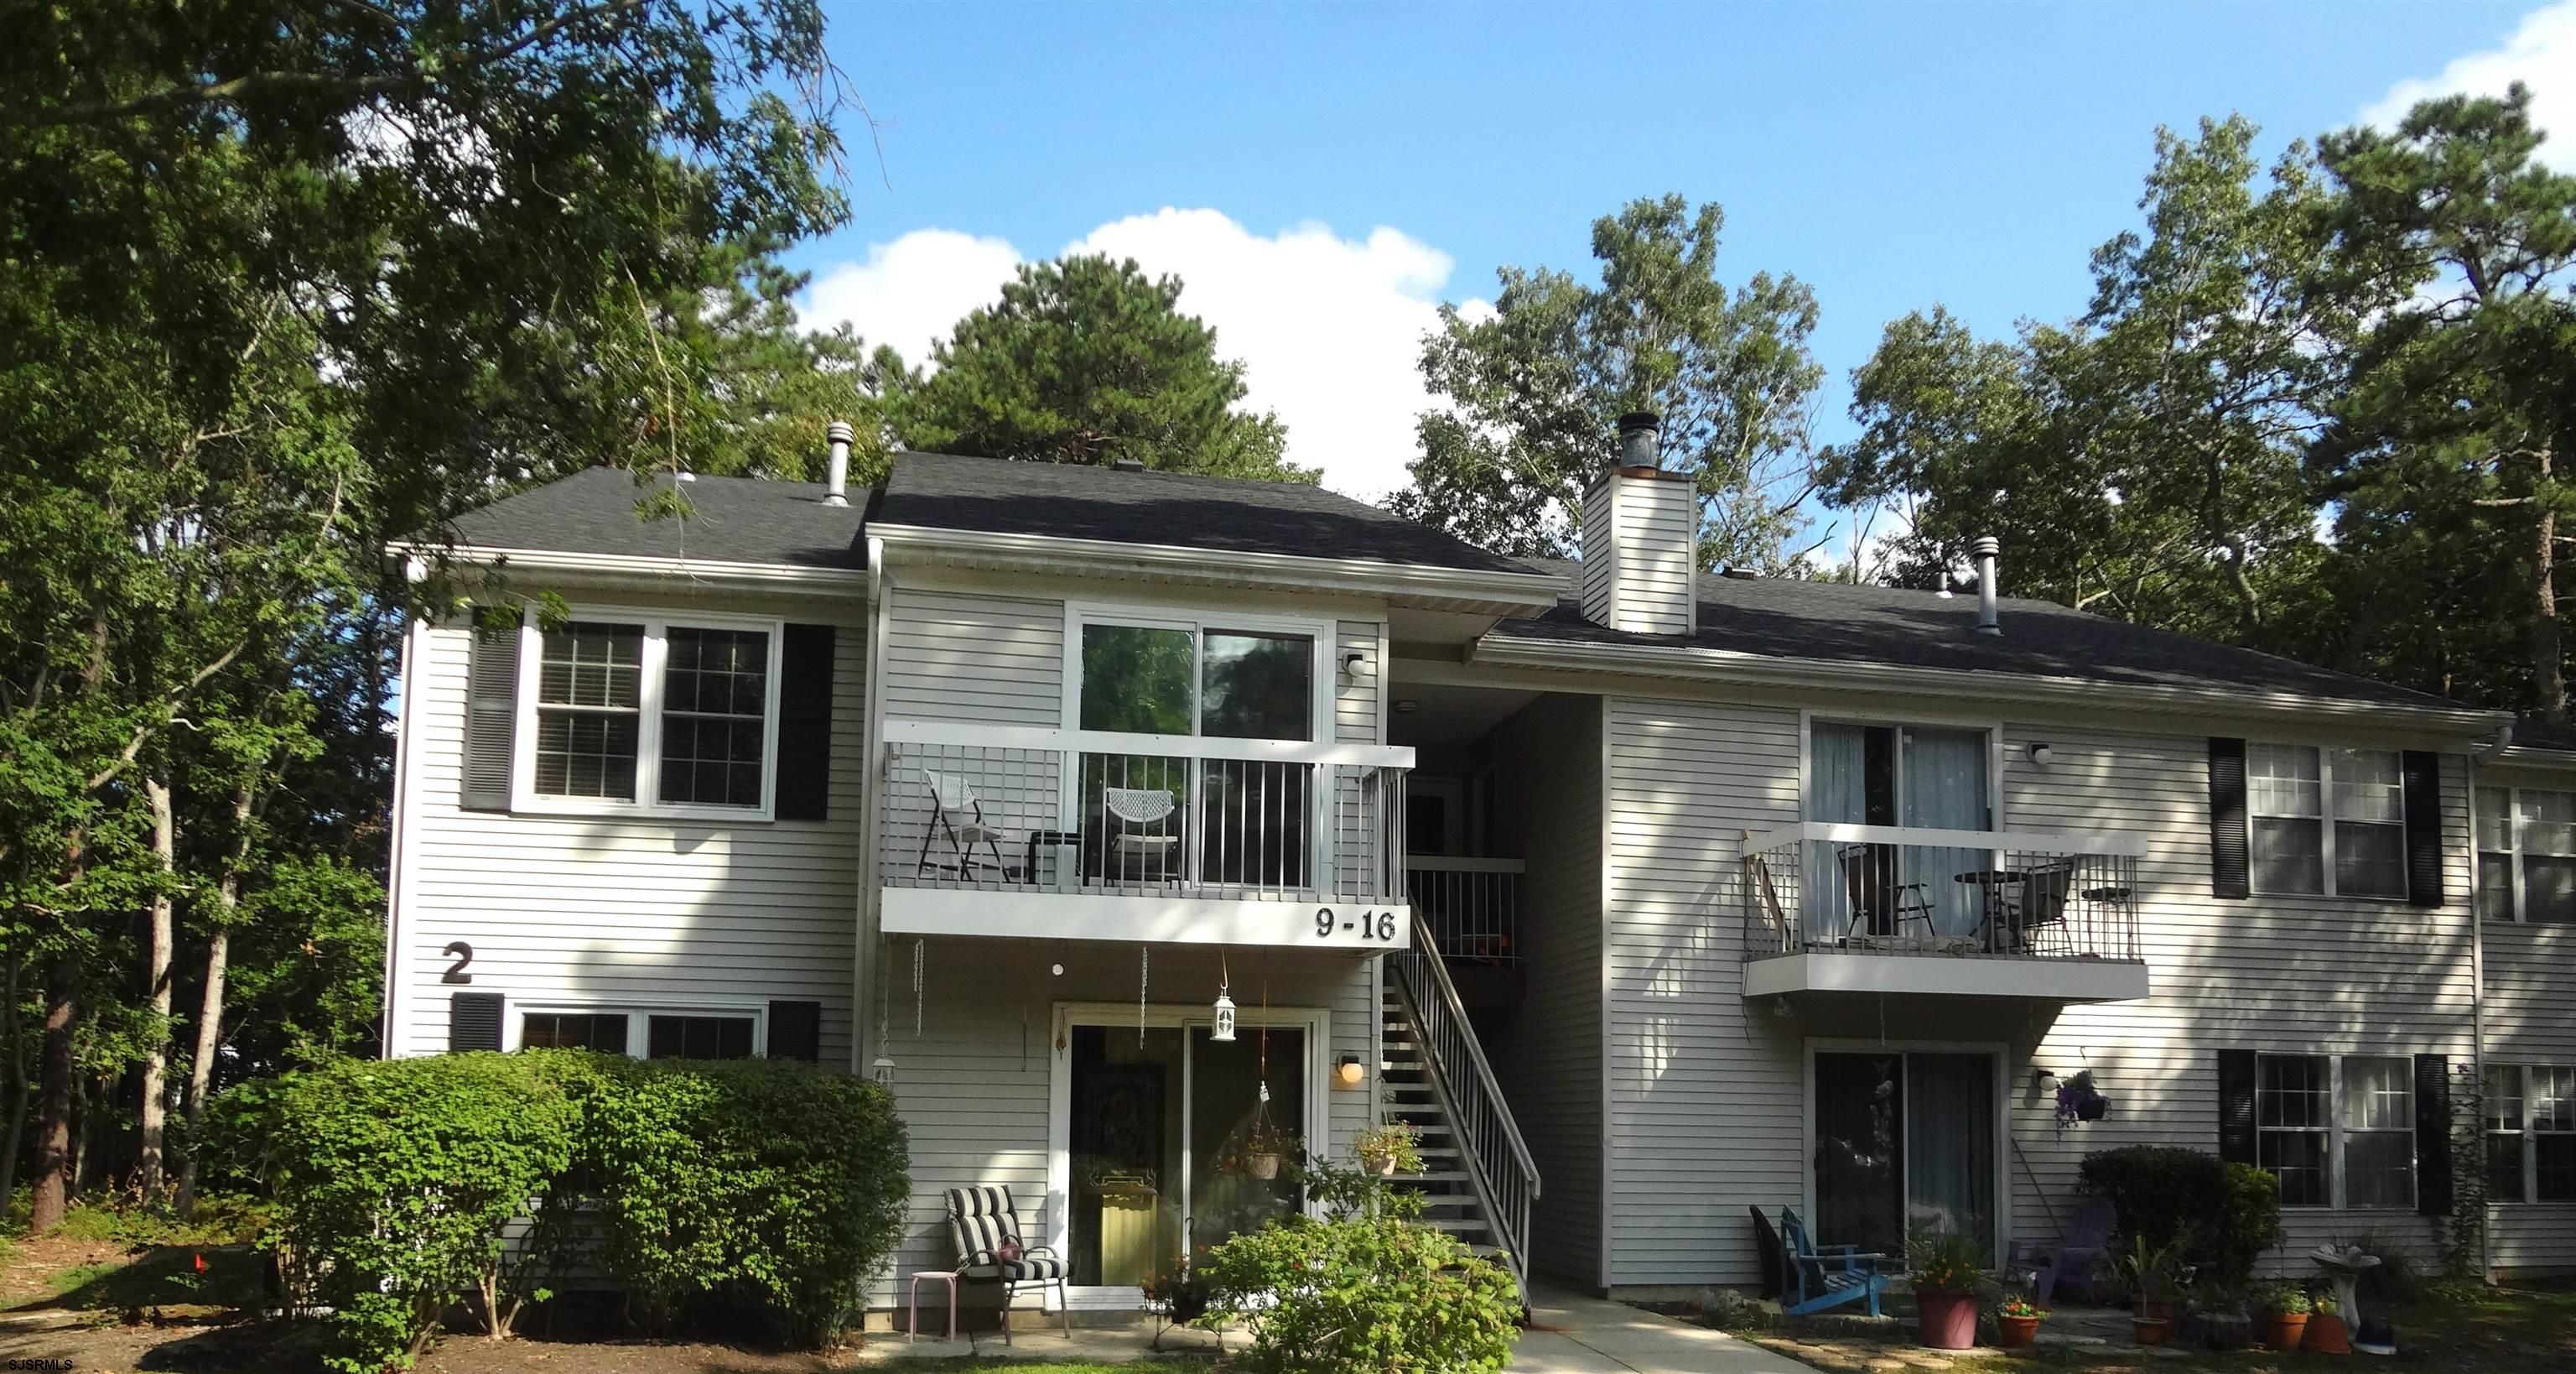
(491, 716)
(2227, 855)
(473, 1021)
(805, 724)
(2236, 1106)
(2432, 1134)
(796, 1031)
(2423, 828)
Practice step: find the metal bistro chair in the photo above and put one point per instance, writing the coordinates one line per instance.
(1133, 854)
(957, 812)
(1869, 880)
(2036, 914)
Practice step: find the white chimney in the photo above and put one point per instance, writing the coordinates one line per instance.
(836, 485)
(1986, 548)
(1641, 540)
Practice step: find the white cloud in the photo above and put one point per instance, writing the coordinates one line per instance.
(1329, 329)
(2541, 54)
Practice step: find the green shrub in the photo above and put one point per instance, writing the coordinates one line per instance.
(764, 1184)
(1361, 1291)
(393, 1180)
(2224, 1216)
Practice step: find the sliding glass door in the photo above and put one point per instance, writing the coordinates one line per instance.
(1905, 1141)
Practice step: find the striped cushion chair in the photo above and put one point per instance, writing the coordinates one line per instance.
(983, 1221)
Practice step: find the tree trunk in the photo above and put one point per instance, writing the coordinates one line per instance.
(2548, 647)
(156, 984)
(11, 1033)
(57, 1073)
(210, 1010)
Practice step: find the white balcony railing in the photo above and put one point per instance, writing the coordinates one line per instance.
(1471, 907)
(1822, 886)
(1023, 809)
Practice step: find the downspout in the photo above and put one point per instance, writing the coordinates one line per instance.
(399, 840)
(863, 1050)
(2478, 971)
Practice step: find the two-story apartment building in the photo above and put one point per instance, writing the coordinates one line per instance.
(1129, 822)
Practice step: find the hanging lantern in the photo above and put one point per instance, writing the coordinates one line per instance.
(882, 1071)
(1224, 1032)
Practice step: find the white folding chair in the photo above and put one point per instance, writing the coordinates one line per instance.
(958, 813)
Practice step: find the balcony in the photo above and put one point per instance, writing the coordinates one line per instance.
(1878, 909)
(1020, 832)
(1471, 909)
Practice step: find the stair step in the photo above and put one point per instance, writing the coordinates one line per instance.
(1455, 1224)
(1432, 1176)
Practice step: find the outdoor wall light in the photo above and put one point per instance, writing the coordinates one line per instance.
(1355, 666)
(2041, 754)
(2040, 1079)
(1405, 706)
(1348, 1072)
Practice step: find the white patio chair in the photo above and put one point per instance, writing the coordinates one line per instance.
(958, 813)
(1141, 853)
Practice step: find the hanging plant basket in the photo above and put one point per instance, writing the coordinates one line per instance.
(2078, 1100)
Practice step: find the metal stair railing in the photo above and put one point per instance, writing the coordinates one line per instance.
(1490, 1149)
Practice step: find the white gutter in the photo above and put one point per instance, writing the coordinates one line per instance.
(1495, 592)
(1693, 663)
(781, 577)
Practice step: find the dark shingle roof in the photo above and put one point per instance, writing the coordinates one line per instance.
(1220, 514)
(734, 520)
(2532, 732)
(1839, 623)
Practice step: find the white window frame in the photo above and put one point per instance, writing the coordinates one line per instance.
(2480, 845)
(1993, 730)
(1198, 621)
(2525, 1127)
(648, 728)
(2005, 1147)
(2337, 1191)
(2326, 823)
(638, 1014)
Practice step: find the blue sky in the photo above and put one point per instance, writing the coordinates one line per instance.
(1334, 169)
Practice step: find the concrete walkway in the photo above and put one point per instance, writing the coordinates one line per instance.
(1570, 1334)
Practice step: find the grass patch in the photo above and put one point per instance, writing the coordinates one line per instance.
(1176, 1364)
(79, 1275)
(167, 1278)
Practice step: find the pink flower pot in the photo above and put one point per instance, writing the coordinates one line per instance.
(1945, 1321)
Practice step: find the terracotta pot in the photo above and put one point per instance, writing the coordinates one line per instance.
(2151, 1330)
(1945, 1321)
(2018, 1333)
(1262, 1166)
(2281, 1330)
(2155, 1310)
(2326, 1336)
(1383, 1168)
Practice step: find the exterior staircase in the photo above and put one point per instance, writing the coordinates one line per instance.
(1477, 1181)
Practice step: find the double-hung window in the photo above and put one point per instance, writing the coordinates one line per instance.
(2526, 855)
(649, 714)
(2337, 1132)
(2327, 821)
(646, 1033)
(2531, 1133)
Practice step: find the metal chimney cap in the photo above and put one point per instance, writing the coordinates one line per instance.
(839, 432)
(1640, 419)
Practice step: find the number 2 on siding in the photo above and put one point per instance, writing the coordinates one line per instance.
(463, 953)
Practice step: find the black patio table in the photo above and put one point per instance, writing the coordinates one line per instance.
(1995, 881)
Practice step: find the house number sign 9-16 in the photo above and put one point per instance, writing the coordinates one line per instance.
(1370, 925)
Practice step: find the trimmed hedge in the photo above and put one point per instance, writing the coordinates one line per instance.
(2224, 1215)
(762, 1184)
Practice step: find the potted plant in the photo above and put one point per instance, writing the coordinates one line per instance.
(1179, 1291)
(1389, 1149)
(2281, 1315)
(2151, 1272)
(1946, 1268)
(2223, 1323)
(2325, 1333)
(1257, 1150)
(2079, 1100)
(2017, 1323)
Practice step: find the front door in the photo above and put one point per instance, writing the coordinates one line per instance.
(1905, 1141)
(1162, 1128)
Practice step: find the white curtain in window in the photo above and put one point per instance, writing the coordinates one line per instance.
(1837, 792)
(1944, 787)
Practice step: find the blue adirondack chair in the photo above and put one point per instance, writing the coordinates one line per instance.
(1823, 1276)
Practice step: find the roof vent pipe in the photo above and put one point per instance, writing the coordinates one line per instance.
(1641, 440)
(1985, 549)
(836, 489)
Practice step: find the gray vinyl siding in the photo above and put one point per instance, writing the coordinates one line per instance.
(2531, 1019)
(1705, 1092)
(990, 659)
(573, 910)
(1709, 1092)
(1547, 1055)
(972, 1083)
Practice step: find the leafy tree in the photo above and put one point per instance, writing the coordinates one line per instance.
(1088, 361)
(2144, 459)
(2444, 464)
(1534, 392)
